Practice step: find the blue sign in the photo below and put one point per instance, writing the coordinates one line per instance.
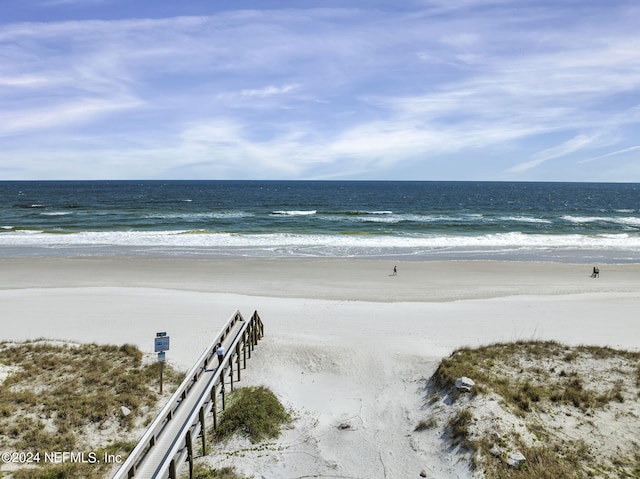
(161, 344)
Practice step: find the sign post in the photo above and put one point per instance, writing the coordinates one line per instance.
(161, 344)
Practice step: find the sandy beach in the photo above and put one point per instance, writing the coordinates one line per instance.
(346, 342)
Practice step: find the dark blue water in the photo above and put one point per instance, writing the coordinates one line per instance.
(582, 222)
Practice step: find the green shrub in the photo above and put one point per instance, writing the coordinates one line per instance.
(254, 412)
(202, 471)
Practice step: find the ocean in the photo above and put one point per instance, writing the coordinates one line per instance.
(546, 222)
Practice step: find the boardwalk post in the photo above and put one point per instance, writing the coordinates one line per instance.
(255, 333)
(231, 372)
(260, 325)
(190, 453)
(203, 432)
(238, 359)
(214, 407)
(244, 348)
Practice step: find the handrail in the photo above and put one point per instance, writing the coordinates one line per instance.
(192, 424)
(148, 439)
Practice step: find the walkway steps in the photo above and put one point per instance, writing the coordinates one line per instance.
(170, 439)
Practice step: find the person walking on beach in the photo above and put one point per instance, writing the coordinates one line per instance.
(220, 353)
(395, 271)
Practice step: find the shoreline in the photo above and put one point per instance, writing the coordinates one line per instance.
(515, 254)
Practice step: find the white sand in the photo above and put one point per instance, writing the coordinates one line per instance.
(347, 345)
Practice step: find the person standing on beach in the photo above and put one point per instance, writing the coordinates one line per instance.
(395, 271)
(220, 353)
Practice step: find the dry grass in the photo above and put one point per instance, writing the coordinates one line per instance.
(555, 404)
(56, 392)
(526, 373)
(204, 471)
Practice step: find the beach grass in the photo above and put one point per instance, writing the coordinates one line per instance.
(526, 373)
(205, 471)
(553, 400)
(56, 395)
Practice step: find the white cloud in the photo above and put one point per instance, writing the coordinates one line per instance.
(577, 143)
(325, 92)
(64, 114)
(24, 81)
(613, 153)
(268, 91)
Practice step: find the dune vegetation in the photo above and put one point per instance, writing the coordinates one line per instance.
(540, 410)
(63, 404)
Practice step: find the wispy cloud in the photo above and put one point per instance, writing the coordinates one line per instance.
(59, 116)
(268, 91)
(328, 92)
(28, 81)
(578, 143)
(84, 3)
(613, 153)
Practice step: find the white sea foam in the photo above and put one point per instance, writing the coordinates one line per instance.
(409, 217)
(373, 219)
(294, 213)
(622, 220)
(200, 216)
(629, 221)
(18, 234)
(584, 219)
(323, 245)
(56, 213)
(525, 219)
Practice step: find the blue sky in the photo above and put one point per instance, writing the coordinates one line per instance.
(384, 89)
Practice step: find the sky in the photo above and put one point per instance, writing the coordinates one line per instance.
(486, 90)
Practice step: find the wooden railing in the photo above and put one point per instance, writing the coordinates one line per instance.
(198, 394)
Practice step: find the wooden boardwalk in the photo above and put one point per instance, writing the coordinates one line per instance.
(168, 443)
